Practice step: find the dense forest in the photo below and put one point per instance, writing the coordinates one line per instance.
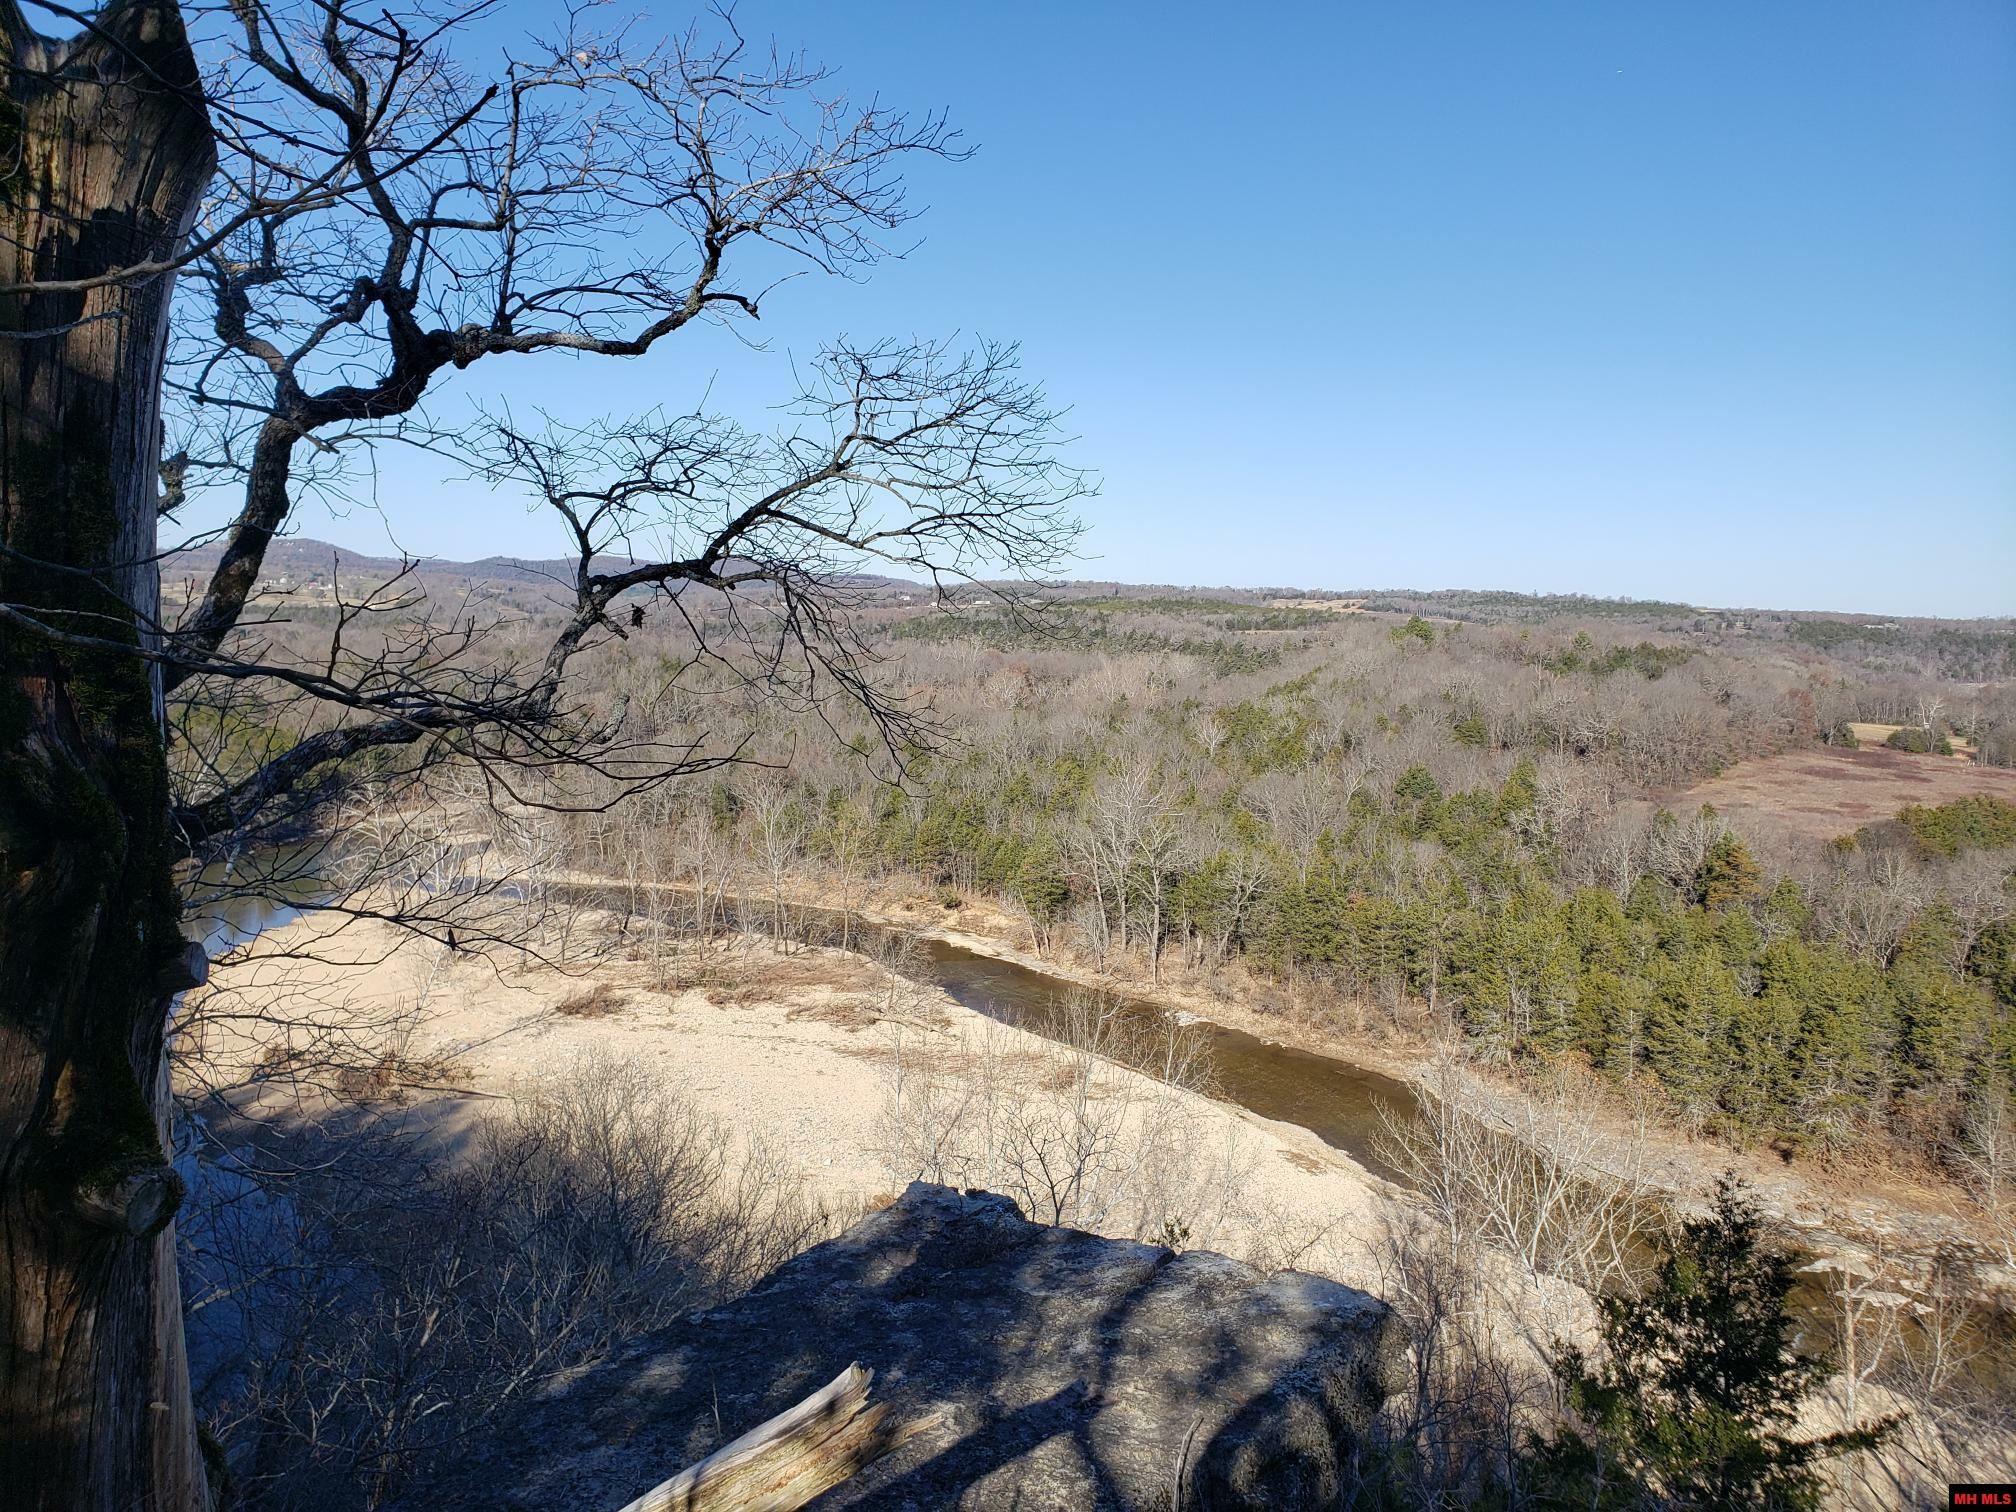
(1763, 1007)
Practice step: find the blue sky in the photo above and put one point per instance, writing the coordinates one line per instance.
(1690, 299)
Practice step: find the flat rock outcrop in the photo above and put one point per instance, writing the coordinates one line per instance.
(1063, 1370)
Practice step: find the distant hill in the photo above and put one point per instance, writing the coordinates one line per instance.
(304, 561)
(300, 562)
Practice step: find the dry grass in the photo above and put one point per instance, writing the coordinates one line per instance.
(389, 1076)
(598, 1001)
(851, 1012)
(357, 1073)
(1875, 734)
(741, 973)
(1328, 606)
(738, 994)
(1047, 1068)
(1821, 794)
(857, 1011)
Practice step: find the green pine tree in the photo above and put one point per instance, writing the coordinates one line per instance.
(1693, 1001)
(1693, 1397)
(1727, 876)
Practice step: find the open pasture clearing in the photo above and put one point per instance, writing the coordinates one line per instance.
(1820, 794)
(1876, 734)
(1329, 606)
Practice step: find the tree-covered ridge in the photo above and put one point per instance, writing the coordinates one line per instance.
(1089, 631)
(1977, 653)
(1493, 604)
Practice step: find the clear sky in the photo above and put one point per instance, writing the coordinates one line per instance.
(1697, 299)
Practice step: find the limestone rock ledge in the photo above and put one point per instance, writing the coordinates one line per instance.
(1066, 1370)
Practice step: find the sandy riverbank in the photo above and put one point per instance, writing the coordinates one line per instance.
(1858, 1218)
(795, 1048)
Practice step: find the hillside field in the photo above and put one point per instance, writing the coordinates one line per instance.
(1823, 793)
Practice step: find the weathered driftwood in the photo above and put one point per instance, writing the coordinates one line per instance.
(784, 1463)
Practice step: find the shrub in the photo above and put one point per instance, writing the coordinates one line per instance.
(1727, 875)
(1471, 730)
(1416, 629)
(598, 1001)
(1919, 742)
(398, 1300)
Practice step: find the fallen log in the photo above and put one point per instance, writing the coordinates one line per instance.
(784, 1463)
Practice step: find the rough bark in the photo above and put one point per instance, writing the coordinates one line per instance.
(104, 150)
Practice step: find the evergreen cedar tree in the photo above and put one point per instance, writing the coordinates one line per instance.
(1692, 1399)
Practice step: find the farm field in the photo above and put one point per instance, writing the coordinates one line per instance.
(1877, 734)
(1820, 794)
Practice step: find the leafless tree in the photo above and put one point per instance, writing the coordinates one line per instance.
(1453, 1434)
(777, 836)
(1302, 806)
(1534, 1177)
(361, 209)
(1058, 1127)
(1986, 1158)
(1872, 902)
(1868, 1327)
(1127, 849)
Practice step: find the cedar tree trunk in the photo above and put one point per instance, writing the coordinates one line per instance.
(105, 149)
